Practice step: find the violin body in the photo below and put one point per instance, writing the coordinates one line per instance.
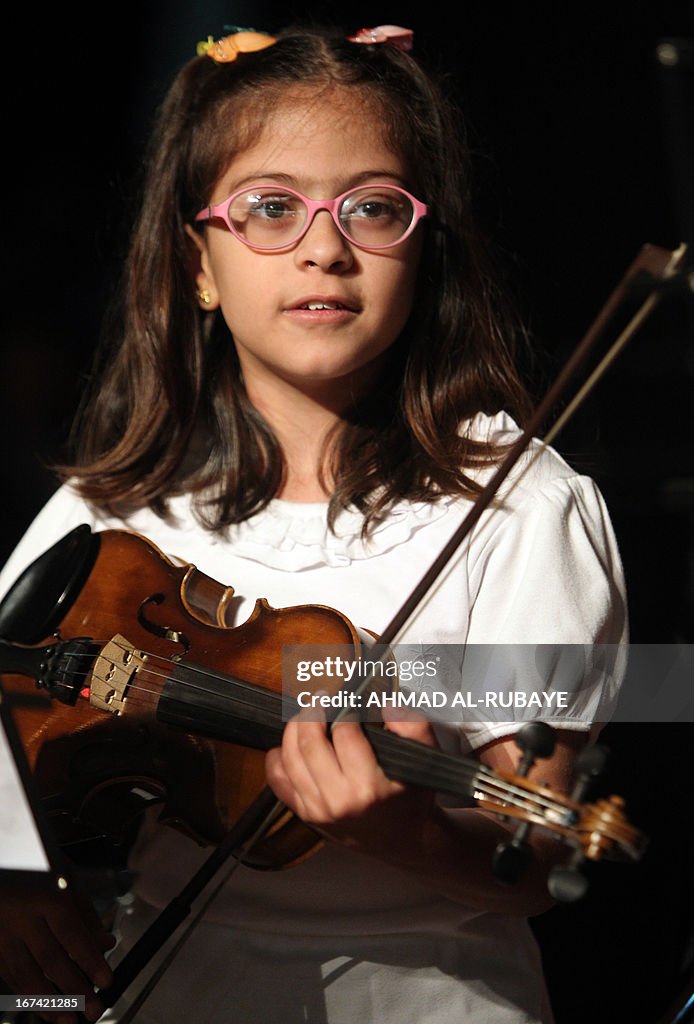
(95, 770)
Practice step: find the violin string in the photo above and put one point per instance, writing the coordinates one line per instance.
(200, 671)
(499, 790)
(453, 772)
(482, 779)
(451, 775)
(474, 776)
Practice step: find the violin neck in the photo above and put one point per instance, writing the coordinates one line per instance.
(255, 717)
(222, 707)
(411, 762)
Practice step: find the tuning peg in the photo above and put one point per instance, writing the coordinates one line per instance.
(588, 766)
(535, 739)
(511, 859)
(566, 883)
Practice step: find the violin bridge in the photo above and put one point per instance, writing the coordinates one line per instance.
(113, 673)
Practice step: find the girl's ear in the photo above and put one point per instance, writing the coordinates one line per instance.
(200, 273)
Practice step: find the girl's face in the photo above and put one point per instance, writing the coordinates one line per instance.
(320, 148)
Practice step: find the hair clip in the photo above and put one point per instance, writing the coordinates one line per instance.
(402, 38)
(227, 49)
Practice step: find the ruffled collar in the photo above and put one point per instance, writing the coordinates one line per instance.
(293, 536)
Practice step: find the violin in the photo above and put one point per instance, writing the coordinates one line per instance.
(151, 695)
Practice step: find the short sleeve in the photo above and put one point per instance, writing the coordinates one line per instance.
(550, 572)
(547, 591)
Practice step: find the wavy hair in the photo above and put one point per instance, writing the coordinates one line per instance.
(170, 414)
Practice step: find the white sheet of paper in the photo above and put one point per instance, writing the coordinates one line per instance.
(21, 847)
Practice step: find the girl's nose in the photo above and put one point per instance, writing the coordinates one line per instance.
(324, 246)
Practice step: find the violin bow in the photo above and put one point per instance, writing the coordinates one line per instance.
(652, 268)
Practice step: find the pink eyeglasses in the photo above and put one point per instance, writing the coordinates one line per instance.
(270, 217)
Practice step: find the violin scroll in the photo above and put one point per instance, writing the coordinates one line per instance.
(595, 830)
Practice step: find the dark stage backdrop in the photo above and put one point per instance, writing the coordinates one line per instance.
(583, 151)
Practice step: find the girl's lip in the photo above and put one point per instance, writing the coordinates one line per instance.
(343, 304)
(340, 314)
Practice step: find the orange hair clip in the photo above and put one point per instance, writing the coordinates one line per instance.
(227, 49)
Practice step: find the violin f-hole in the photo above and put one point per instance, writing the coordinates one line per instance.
(165, 632)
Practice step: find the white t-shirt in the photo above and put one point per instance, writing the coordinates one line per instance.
(341, 936)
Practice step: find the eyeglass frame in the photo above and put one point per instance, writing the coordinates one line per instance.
(314, 206)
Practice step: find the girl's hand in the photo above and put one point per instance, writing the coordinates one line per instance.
(53, 944)
(338, 787)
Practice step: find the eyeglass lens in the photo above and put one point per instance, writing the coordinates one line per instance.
(371, 216)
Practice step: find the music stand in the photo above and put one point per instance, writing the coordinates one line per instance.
(27, 850)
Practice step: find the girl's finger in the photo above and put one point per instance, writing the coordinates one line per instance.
(357, 759)
(310, 761)
(280, 783)
(288, 772)
(412, 729)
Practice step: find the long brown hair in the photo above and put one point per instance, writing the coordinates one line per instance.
(170, 413)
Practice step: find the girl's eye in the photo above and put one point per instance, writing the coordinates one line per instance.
(371, 208)
(377, 207)
(272, 208)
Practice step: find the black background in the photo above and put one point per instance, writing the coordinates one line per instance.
(584, 150)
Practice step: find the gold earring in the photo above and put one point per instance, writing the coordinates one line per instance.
(204, 296)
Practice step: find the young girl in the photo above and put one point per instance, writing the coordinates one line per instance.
(312, 374)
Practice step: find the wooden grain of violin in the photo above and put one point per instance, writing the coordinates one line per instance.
(155, 697)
